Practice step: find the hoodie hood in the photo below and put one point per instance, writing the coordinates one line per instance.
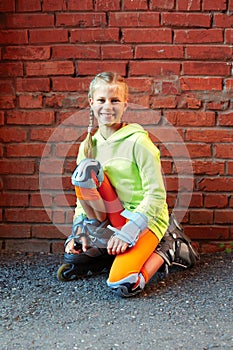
(123, 133)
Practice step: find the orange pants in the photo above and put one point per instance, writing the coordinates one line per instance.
(133, 260)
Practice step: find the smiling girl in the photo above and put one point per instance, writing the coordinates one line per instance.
(121, 213)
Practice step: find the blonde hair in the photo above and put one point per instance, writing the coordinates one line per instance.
(106, 77)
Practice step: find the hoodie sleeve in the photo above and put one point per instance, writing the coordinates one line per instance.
(147, 158)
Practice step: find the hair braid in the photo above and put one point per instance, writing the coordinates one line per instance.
(88, 147)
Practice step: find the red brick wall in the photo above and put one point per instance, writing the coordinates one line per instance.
(177, 58)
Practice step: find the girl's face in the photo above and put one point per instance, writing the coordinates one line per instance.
(108, 103)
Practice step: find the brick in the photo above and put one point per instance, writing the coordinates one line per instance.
(215, 200)
(48, 232)
(147, 115)
(62, 200)
(30, 6)
(65, 150)
(107, 5)
(27, 215)
(15, 231)
(163, 5)
(29, 245)
(7, 6)
(201, 217)
(48, 36)
(80, 6)
(26, 183)
(163, 102)
(7, 87)
(58, 247)
(226, 119)
(159, 51)
(70, 84)
(207, 232)
(29, 118)
(17, 37)
(206, 68)
(81, 20)
(56, 183)
(223, 20)
(27, 20)
(190, 118)
(135, 5)
(206, 53)
(41, 200)
(140, 84)
(230, 168)
(17, 167)
(215, 184)
(12, 134)
(177, 150)
(223, 150)
(152, 68)
(14, 200)
(231, 5)
(77, 51)
(217, 105)
(7, 102)
(218, 5)
(147, 35)
(188, 101)
(223, 216)
(58, 217)
(209, 167)
(11, 69)
(49, 68)
(52, 166)
(165, 134)
(192, 36)
(134, 19)
(30, 101)
(195, 202)
(1, 118)
(180, 19)
(26, 53)
(117, 52)
(94, 67)
(229, 36)
(203, 83)
(32, 84)
(55, 5)
(187, 5)
(229, 84)
(94, 35)
(208, 135)
(141, 100)
(25, 150)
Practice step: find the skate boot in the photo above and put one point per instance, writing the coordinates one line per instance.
(93, 261)
(175, 248)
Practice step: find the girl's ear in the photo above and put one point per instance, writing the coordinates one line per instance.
(90, 101)
(126, 105)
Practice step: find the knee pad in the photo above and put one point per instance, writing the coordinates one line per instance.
(83, 174)
(128, 286)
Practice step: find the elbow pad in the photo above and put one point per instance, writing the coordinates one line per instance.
(129, 233)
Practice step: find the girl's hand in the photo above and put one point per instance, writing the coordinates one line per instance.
(116, 246)
(70, 249)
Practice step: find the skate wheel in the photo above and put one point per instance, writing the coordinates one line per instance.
(60, 273)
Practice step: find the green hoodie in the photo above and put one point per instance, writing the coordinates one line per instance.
(132, 163)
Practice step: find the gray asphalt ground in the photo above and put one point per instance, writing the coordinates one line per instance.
(187, 310)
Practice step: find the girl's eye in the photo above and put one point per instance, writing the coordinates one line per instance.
(115, 100)
(101, 100)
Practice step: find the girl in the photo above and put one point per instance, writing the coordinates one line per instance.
(121, 213)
